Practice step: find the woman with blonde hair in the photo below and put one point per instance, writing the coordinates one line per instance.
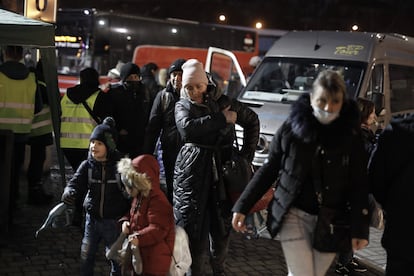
(150, 222)
(319, 158)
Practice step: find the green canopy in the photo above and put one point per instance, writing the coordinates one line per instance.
(16, 29)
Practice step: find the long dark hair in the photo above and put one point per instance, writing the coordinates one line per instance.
(366, 107)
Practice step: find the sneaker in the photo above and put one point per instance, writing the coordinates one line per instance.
(342, 270)
(355, 265)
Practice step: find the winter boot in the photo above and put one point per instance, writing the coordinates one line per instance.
(37, 195)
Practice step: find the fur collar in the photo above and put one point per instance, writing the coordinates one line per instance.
(305, 126)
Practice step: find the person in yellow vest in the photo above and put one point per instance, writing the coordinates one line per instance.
(20, 101)
(40, 137)
(83, 107)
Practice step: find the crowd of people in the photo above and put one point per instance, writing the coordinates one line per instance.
(325, 156)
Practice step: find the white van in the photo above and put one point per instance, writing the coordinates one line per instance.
(374, 65)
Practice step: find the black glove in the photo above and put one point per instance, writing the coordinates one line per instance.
(69, 197)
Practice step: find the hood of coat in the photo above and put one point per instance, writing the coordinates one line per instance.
(14, 70)
(147, 164)
(306, 126)
(81, 92)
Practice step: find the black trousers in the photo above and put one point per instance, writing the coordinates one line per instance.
(75, 156)
(35, 168)
(17, 164)
(213, 245)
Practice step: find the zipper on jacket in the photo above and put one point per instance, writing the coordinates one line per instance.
(101, 203)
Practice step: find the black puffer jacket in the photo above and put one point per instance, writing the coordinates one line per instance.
(100, 185)
(130, 109)
(300, 146)
(391, 175)
(204, 130)
(162, 118)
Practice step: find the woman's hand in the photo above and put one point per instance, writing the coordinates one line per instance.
(125, 227)
(238, 222)
(231, 116)
(358, 244)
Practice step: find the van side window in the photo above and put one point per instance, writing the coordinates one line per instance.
(402, 87)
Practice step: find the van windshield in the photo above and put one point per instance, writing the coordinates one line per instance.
(285, 79)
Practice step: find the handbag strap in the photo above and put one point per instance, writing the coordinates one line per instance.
(93, 115)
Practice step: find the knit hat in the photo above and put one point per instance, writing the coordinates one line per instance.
(193, 72)
(176, 65)
(129, 68)
(106, 133)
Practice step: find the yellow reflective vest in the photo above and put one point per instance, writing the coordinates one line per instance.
(42, 121)
(17, 101)
(76, 123)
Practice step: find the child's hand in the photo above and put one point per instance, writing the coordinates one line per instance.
(133, 239)
(125, 227)
(68, 197)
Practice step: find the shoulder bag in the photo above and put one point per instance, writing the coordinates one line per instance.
(237, 173)
(125, 253)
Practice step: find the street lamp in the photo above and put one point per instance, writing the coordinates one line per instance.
(222, 18)
(355, 27)
(259, 25)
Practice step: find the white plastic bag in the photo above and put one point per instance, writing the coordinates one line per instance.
(181, 259)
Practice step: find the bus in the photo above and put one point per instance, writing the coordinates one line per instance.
(99, 39)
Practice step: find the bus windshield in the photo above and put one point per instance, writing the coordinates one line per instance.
(285, 79)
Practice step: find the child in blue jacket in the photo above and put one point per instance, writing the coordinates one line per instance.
(98, 184)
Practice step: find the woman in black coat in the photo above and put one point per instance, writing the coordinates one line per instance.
(319, 157)
(391, 175)
(205, 120)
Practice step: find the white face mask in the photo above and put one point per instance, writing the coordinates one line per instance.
(324, 117)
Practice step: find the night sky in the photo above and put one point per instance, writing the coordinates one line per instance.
(393, 16)
(389, 16)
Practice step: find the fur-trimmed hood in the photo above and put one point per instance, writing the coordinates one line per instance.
(306, 127)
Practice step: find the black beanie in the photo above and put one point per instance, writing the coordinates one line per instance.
(89, 76)
(129, 68)
(176, 65)
(106, 133)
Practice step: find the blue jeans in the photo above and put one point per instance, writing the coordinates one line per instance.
(95, 231)
(296, 240)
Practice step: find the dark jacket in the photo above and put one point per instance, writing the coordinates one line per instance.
(100, 185)
(148, 79)
(370, 140)
(130, 109)
(162, 122)
(81, 92)
(391, 176)
(302, 147)
(208, 139)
